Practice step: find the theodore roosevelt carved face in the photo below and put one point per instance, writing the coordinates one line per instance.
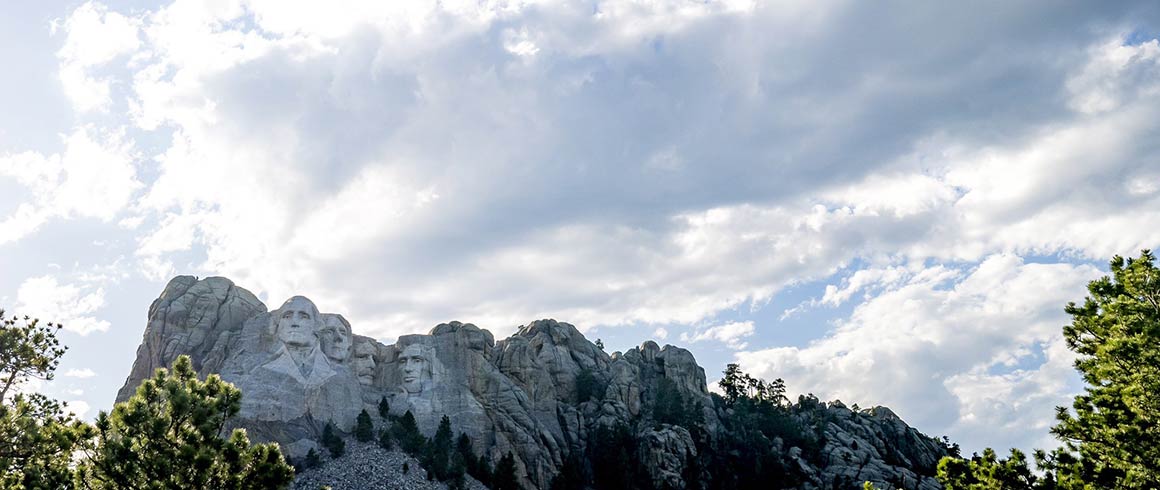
(363, 362)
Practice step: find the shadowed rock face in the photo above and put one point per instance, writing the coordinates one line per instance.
(300, 368)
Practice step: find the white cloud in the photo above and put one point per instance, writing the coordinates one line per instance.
(79, 373)
(94, 36)
(1115, 74)
(70, 305)
(637, 162)
(80, 408)
(660, 333)
(930, 346)
(364, 154)
(95, 177)
(731, 334)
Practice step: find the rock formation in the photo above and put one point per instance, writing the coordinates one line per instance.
(300, 368)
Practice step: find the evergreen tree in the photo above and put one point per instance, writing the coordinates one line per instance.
(312, 459)
(588, 386)
(571, 476)
(613, 457)
(483, 471)
(37, 436)
(1116, 332)
(463, 449)
(168, 435)
(988, 471)
(332, 441)
(364, 430)
(406, 433)
(438, 451)
(669, 405)
(505, 474)
(732, 383)
(384, 408)
(385, 441)
(1112, 440)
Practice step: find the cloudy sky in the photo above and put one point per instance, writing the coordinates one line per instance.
(886, 203)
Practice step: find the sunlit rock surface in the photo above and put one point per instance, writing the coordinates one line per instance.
(300, 367)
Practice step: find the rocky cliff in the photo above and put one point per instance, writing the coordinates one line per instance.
(541, 394)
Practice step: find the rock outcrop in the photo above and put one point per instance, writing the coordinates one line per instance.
(538, 394)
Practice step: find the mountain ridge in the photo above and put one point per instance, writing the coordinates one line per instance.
(546, 395)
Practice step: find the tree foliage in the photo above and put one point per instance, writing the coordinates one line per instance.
(364, 429)
(588, 386)
(989, 471)
(1111, 435)
(505, 477)
(384, 408)
(737, 385)
(406, 433)
(1116, 332)
(37, 436)
(438, 455)
(332, 441)
(168, 436)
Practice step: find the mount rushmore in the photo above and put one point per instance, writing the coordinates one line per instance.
(300, 369)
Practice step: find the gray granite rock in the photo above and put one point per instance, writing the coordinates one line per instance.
(300, 368)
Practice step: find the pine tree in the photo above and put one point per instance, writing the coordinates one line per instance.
(364, 430)
(332, 441)
(168, 435)
(384, 409)
(669, 405)
(1114, 432)
(406, 433)
(732, 383)
(37, 435)
(385, 441)
(588, 386)
(312, 459)
(438, 453)
(505, 474)
(1112, 440)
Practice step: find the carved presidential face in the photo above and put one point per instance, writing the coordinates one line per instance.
(363, 362)
(415, 366)
(336, 340)
(297, 323)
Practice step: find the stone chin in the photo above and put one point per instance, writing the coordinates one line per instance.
(412, 385)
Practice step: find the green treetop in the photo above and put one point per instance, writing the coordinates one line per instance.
(37, 437)
(168, 436)
(1111, 435)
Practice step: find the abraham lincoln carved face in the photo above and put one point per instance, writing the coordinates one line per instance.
(415, 366)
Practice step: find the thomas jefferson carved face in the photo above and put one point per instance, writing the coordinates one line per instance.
(336, 339)
(363, 362)
(415, 366)
(297, 322)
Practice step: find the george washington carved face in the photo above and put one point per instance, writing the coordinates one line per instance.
(297, 322)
